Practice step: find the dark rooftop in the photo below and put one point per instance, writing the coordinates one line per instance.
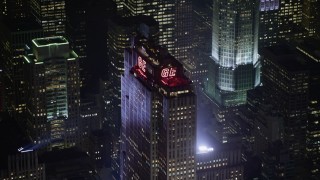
(25, 25)
(132, 20)
(289, 57)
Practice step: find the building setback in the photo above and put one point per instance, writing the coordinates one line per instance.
(234, 51)
(158, 116)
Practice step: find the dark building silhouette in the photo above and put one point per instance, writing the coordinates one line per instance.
(24, 166)
(68, 163)
(285, 109)
(15, 39)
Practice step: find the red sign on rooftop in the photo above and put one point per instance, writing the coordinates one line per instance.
(169, 72)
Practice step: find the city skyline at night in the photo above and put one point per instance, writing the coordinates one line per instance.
(164, 90)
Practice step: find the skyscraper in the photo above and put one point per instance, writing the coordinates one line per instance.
(234, 51)
(286, 20)
(52, 77)
(175, 22)
(120, 32)
(158, 116)
(291, 82)
(76, 29)
(51, 15)
(290, 19)
(268, 23)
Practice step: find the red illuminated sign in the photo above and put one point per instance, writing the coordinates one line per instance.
(142, 64)
(168, 72)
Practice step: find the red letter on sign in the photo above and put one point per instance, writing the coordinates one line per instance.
(142, 64)
(165, 72)
(172, 72)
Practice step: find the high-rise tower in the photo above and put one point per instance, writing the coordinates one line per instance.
(51, 15)
(281, 21)
(269, 23)
(120, 31)
(234, 51)
(52, 77)
(158, 116)
(175, 22)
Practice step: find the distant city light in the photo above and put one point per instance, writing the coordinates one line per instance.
(205, 149)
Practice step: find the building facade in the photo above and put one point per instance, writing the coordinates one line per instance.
(158, 117)
(290, 79)
(224, 162)
(51, 15)
(175, 23)
(24, 166)
(281, 21)
(310, 17)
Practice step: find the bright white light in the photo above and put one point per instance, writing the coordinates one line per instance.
(28, 150)
(205, 149)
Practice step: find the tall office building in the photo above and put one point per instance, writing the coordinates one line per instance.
(291, 80)
(201, 43)
(290, 19)
(175, 22)
(268, 23)
(76, 27)
(158, 116)
(52, 73)
(234, 51)
(120, 33)
(86, 30)
(310, 48)
(281, 20)
(51, 15)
